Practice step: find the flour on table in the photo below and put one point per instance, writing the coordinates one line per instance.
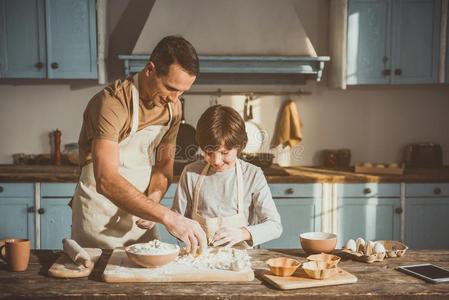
(154, 247)
(218, 258)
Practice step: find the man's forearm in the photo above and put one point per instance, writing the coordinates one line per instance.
(123, 194)
(161, 178)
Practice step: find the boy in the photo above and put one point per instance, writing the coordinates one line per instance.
(229, 198)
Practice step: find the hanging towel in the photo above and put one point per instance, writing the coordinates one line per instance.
(289, 128)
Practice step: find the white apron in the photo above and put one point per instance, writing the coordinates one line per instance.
(212, 225)
(96, 221)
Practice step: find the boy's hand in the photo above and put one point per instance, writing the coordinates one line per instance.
(230, 236)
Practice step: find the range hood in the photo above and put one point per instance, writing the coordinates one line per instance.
(238, 42)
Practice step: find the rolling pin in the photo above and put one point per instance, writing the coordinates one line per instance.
(76, 253)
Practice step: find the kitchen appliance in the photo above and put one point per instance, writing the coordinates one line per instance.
(423, 155)
(186, 145)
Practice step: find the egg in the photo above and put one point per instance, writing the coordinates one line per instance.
(351, 245)
(360, 244)
(368, 249)
(378, 248)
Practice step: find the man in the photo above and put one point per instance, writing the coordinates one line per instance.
(125, 127)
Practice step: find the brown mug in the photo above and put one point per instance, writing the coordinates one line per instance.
(16, 253)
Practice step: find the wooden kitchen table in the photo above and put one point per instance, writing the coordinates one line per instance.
(375, 281)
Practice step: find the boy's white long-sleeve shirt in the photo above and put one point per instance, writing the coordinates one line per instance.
(219, 190)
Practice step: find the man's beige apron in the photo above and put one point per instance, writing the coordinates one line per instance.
(96, 221)
(212, 225)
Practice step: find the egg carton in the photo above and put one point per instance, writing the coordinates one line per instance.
(366, 254)
(358, 255)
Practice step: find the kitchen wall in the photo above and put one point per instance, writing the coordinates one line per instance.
(375, 122)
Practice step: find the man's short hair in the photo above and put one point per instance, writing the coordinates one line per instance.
(221, 126)
(175, 49)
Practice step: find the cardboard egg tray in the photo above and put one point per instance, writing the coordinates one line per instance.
(379, 169)
(392, 248)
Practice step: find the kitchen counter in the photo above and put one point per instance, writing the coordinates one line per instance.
(274, 174)
(375, 281)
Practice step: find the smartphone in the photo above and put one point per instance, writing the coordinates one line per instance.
(428, 272)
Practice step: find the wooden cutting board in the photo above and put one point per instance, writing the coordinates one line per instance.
(121, 269)
(300, 280)
(64, 267)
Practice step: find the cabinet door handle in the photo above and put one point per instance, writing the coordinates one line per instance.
(367, 191)
(398, 210)
(437, 191)
(31, 209)
(398, 72)
(54, 65)
(1, 189)
(290, 191)
(386, 72)
(41, 211)
(39, 65)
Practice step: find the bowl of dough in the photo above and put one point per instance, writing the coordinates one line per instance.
(152, 254)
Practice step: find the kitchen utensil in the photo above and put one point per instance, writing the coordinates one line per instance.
(301, 280)
(186, 145)
(64, 267)
(256, 136)
(329, 259)
(319, 269)
(423, 155)
(317, 242)
(283, 266)
(149, 260)
(16, 254)
(260, 159)
(121, 269)
(71, 151)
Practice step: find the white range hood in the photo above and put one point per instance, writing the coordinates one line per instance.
(260, 41)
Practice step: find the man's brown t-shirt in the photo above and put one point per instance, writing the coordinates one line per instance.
(108, 115)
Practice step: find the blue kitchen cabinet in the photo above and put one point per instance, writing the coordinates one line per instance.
(55, 214)
(393, 42)
(17, 211)
(300, 207)
(371, 211)
(48, 39)
(426, 215)
(368, 43)
(22, 39)
(167, 202)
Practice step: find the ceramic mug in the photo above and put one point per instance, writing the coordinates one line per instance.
(16, 253)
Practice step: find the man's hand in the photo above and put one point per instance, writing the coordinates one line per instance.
(229, 236)
(188, 231)
(145, 224)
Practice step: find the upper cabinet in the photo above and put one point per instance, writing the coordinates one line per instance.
(393, 42)
(48, 39)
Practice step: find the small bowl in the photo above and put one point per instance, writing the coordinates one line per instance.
(151, 260)
(329, 259)
(317, 242)
(283, 266)
(319, 269)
